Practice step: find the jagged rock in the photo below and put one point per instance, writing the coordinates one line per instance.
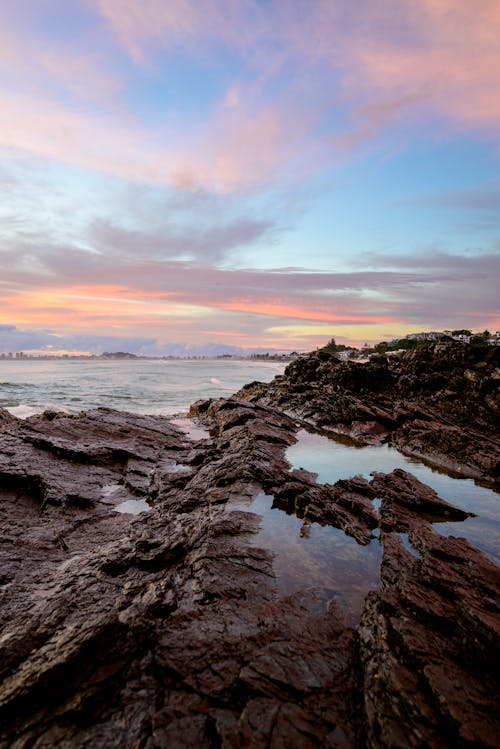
(6, 418)
(439, 402)
(405, 500)
(163, 631)
(167, 629)
(429, 647)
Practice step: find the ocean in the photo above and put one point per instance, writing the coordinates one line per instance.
(149, 386)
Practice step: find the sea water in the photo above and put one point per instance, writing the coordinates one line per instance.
(148, 386)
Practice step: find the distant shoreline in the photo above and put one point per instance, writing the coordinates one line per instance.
(132, 357)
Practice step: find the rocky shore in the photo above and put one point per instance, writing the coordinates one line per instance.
(439, 402)
(167, 628)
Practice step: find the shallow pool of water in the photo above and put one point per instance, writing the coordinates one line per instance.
(323, 559)
(133, 507)
(194, 431)
(334, 459)
(308, 556)
(117, 496)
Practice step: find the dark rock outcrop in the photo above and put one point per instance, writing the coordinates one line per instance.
(167, 629)
(429, 646)
(439, 402)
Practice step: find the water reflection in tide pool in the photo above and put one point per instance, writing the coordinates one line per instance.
(335, 566)
(314, 557)
(333, 459)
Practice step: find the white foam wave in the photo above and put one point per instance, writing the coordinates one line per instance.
(22, 412)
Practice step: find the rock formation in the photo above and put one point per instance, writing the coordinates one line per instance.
(439, 402)
(167, 628)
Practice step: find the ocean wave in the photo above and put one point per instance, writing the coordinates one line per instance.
(171, 388)
(22, 412)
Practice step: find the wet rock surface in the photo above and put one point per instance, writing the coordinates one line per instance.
(166, 629)
(439, 402)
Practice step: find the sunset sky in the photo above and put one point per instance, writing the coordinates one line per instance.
(246, 172)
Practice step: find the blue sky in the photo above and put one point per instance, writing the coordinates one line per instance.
(252, 174)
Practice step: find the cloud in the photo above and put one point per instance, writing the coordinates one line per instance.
(312, 81)
(75, 70)
(137, 25)
(197, 112)
(185, 301)
(14, 339)
(449, 49)
(453, 265)
(209, 244)
(478, 207)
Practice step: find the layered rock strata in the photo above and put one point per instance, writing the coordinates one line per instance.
(167, 629)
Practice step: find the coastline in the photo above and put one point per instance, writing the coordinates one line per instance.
(167, 628)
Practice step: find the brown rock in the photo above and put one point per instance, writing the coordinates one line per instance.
(166, 629)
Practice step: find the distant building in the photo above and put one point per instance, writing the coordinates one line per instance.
(347, 354)
(431, 335)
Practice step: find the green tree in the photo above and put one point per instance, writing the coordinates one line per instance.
(332, 346)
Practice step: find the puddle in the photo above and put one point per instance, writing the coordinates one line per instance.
(323, 559)
(332, 459)
(191, 430)
(112, 494)
(133, 506)
(309, 556)
(409, 546)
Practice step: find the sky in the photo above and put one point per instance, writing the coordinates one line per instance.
(176, 174)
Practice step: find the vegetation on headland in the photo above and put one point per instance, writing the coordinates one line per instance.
(413, 341)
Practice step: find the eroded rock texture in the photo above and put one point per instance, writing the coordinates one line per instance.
(166, 629)
(439, 402)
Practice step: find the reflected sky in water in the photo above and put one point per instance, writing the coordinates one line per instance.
(334, 459)
(308, 556)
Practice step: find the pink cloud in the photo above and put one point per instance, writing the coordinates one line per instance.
(181, 301)
(141, 26)
(449, 52)
(372, 62)
(34, 64)
(136, 24)
(448, 49)
(430, 57)
(315, 80)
